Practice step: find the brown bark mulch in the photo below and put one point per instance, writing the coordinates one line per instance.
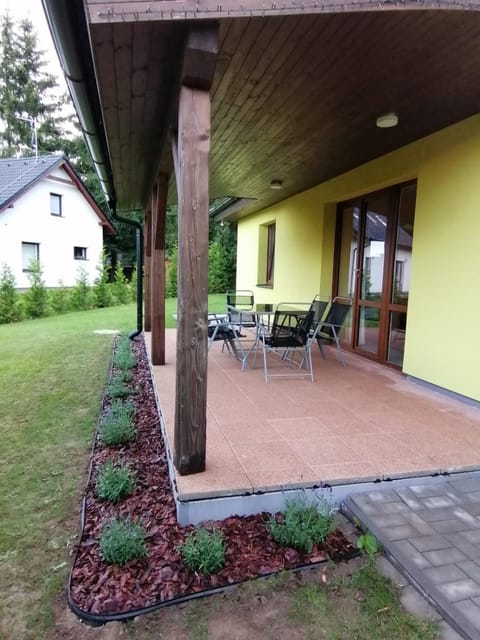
(101, 589)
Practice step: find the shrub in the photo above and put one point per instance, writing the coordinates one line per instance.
(114, 482)
(36, 298)
(302, 525)
(121, 541)
(10, 308)
(102, 293)
(60, 299)
(171, 286)
(124, 358)
(203, 551)
(117, 388)
(117, 426)
(120, 287)
(81, 296)
(133, 285)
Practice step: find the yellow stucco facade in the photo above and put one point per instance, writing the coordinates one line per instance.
(442, 342)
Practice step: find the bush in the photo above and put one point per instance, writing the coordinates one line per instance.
(171, 286)
(117, 426)
(60, 299)
(114, 482)
(36, 298)
(81, 296)
(121, 541)
(203, 551)
(124, 358)
(117, 388)
(10, 307)
(102, 293)
(302, 525)
(133, 285)
(120, 287)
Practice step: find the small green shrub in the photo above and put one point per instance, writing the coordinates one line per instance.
(114, 482)
(10, 307)
(60, 299)
(124, 358)
(36, 298)
(117, 388)
(368, 543)
(120, 286)
(121, 541)
(81, 295)
(303, 524)
(203, 551)
(117, 426)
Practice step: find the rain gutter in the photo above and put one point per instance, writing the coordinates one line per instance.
(68, 26)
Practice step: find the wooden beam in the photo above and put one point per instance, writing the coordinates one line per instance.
(193, 197)
(147, 267)
(157, 276)
(200, 56)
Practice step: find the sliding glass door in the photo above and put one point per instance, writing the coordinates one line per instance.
(373, 261)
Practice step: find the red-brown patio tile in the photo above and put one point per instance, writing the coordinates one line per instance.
(347, 472)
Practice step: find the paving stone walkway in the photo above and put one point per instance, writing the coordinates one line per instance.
(431, 532)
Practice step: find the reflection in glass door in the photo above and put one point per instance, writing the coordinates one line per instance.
(373, 269)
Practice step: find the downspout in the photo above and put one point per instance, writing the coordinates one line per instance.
(68, 26)
(139, 257)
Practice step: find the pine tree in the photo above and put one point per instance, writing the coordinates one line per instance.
(29, 97)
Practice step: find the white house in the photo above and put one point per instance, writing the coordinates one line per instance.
(46, 213)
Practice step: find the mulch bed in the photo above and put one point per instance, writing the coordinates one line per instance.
(108, 590)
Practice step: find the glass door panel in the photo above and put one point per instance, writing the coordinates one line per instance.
(373, 269)
(368, 329)
(347, 272)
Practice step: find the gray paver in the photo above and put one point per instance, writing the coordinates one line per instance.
(446, 573)
(459, 590)
(444, 556)
(431, 543)
(471, 610)
(438, 545)
(387, 570)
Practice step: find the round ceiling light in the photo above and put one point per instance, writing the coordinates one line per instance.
(387, 120)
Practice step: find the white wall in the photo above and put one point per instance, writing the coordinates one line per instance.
(29, 220)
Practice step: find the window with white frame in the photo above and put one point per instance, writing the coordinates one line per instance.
(55, 204)
(80, 253)
(30, 251)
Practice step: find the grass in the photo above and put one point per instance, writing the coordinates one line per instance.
(52, 374)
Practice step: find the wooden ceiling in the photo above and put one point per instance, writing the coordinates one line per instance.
(295, 97)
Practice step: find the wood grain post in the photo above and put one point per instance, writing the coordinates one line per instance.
(157, 279)
(193, 202)
(147, 267)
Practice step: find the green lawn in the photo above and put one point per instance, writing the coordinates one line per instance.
(52, 373)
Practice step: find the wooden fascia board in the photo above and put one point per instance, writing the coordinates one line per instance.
(167, 10)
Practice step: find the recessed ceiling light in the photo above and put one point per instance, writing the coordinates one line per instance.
(276, 184)
(387, 120)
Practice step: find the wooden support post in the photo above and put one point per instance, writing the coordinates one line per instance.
(147, 267)
(191, 382)
(157, 279)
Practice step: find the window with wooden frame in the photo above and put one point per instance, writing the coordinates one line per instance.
(55, 204)
(266, 254)
(30, 252)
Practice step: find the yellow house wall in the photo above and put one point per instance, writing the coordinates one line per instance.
(442, 339)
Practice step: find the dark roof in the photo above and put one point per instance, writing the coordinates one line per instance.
(17, 175)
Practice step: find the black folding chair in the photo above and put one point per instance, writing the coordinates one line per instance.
(288, 335)
(239, 303)
(328, 330)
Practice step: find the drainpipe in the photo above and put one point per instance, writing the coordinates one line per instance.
(139, 253)
(68, 27)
